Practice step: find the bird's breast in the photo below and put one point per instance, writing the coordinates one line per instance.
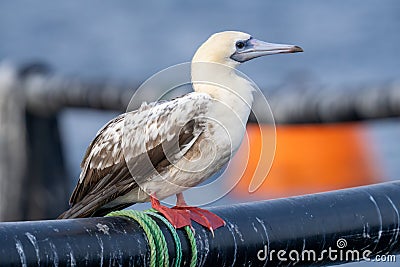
(227, 124)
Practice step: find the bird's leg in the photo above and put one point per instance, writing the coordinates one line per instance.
(180, 200)
(178, 218)
(201, 216)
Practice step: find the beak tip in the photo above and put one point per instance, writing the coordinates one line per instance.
(296, 49)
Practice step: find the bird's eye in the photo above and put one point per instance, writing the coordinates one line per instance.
(240, 44)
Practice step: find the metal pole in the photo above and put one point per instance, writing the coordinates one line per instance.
(292, 104)
(327, 105)
(358, 219)
(45, 188)
(13, 149)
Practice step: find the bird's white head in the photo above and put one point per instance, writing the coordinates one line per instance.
(232, 48)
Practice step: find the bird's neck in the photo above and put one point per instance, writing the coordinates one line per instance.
(233, 98)
(225, 85)
(239, 100)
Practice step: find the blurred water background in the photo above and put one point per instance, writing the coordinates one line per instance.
(347, 43)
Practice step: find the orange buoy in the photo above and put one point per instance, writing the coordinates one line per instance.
(308, 159)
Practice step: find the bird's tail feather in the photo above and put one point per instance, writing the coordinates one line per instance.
(79, 211)
(76, 211)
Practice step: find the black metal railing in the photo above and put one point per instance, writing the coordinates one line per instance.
(322, 229)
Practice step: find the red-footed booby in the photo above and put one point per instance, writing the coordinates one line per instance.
(163, 148)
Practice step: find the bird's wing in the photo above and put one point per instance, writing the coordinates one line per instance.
(134, 138)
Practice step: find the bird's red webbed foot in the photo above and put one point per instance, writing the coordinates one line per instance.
(201, 216)
(178, 218)
(182, 214)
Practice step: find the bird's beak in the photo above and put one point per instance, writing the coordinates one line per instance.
(255, 48)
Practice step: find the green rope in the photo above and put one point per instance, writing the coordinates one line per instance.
(174, 233)
(192, 241)
(156, 239)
